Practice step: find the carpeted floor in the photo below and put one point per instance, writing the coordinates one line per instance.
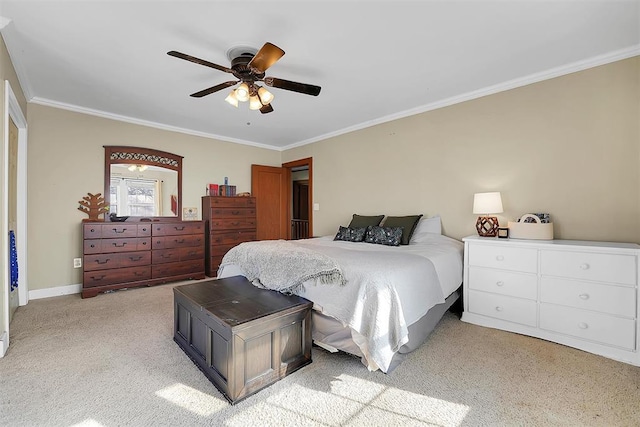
(111, 361)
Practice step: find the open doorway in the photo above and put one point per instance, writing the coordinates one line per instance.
(276, 200)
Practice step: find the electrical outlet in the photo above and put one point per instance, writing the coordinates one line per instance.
(77, 262)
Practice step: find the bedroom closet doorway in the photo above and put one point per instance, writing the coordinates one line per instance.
(283, 199)
(13, 214)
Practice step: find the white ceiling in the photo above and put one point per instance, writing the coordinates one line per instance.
(375, 61)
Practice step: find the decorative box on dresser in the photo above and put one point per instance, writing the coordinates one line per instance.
(121, 255)
(581, 294)
(229, 222)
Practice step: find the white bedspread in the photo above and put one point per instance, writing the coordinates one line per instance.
(387, 288)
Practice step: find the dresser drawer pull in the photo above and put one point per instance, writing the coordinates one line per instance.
(235, 223)
(499, 308)
(102, 262)
(167, 255)
(179, 228)
(499, 258)
(135, 258)
(584, 296)
(97, 278)
(119, 246)
(179, 241)
(137, 273)
(584, 266)
(582, 325)
(115, 230)
(235, 212)
(500, 283)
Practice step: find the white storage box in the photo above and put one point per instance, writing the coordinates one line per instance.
(530, 230)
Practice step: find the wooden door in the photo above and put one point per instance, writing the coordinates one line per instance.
(269, 185)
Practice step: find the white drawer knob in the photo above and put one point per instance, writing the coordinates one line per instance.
(500, 283)
(582, 325)
(584, 266)
(584, 296)
(499, 258)
(498, 308)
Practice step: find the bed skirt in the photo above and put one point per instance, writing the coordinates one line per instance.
(330, 334)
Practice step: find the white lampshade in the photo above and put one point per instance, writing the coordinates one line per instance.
(254, 103)
(242, 93)
(231, 99)
(487, 203)
(265, 96)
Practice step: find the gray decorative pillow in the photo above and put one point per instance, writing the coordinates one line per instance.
(351, 234)
(408, 224)
(389, 236)
(365, 221)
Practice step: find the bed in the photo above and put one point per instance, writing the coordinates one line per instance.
(375, 301)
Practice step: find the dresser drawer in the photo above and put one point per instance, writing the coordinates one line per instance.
(115, 229)
(194, 267)
(177, 254)
(504, 257)
(231, 224)
(116, 260)
(503, 307)
(97, 246)
(620, 300)
(589, 266)
(178, 228)
(231, 202)
(168, 242)
(233, 238)
(589, 325)
(120, 275)
(220, 212)
(502, 282)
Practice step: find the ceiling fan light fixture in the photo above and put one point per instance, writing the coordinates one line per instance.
(242, 92)
(232, 99)
(254, 103)
(265, 96)
(140, 168)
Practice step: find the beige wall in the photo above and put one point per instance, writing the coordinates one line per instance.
(569, 146)
(65, 162)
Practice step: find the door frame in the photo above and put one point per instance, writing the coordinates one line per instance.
(289, 166)
(13, 111)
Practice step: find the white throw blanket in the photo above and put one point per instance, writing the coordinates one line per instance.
(281, 266)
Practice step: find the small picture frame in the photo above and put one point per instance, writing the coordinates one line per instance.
(503, 232)
(189, 214)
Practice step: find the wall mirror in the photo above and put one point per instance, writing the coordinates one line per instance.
(142, 183)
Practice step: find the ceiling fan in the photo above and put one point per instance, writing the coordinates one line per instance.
(249, 66)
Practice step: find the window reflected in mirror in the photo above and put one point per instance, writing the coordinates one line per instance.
(142, 182)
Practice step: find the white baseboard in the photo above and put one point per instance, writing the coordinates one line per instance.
(4, 344)
(55, 292)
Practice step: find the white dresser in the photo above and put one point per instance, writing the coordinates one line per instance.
(578, 293)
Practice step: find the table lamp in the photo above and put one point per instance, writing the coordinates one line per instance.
(486, 204)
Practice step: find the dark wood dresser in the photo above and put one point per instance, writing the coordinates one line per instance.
(127, 254)
(229, 222)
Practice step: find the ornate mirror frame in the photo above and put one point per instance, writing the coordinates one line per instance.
(114, 154)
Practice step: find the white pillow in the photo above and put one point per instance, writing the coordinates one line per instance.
(426, 228)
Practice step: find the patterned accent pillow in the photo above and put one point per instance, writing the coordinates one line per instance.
(389, 236)
(351, 234)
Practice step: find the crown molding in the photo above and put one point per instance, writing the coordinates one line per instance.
(147, 123)
(490, 90)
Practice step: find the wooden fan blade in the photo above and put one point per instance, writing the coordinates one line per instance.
(265, 57)
(266, 109)
(199, 61)
(307, 89)
(213, 89)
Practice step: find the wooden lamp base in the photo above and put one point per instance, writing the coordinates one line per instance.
(487, 226)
